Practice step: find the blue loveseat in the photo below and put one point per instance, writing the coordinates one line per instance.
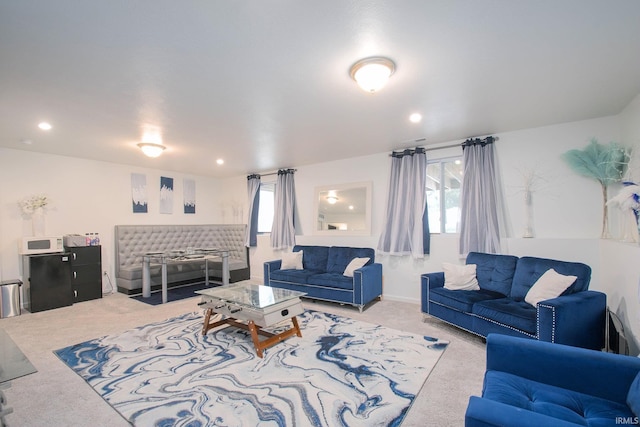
(531, 383)
(322, 275)
(576, 317)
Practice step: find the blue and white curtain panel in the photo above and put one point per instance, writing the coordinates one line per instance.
(189, 196)
(166, 195)
(139, 196)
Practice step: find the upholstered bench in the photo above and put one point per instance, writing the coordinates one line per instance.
(133, 240)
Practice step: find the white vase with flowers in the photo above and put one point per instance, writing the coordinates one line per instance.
(33, 207)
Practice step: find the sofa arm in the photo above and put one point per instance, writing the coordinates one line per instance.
(367, 283)
(485, 413)
(591, 372)
(270, 266)
(577, 319)
(429, 281)
(433, 280)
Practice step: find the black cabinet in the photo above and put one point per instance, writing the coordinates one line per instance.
(48, 283)
(86, 272)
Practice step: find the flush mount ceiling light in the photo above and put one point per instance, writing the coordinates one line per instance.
(372, 74)
(151, 149)
(332, 197)
(332, 200)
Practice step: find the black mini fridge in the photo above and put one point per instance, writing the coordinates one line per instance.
(48, 281)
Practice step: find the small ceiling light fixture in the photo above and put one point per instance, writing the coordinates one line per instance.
(220, 161)
(332, 200)
(415, 118)
(151, 144)
(372, 74)
(151, 149)
(44, 126)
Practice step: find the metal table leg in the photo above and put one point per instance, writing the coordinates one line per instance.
(146, 277)
(164, 280)
(225, 268)
(206, 271)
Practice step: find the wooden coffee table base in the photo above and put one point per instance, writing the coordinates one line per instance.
(254, 329)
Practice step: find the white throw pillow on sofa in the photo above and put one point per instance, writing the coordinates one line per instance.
(550, 285)
(460, 277)
(355, 264)
(292, 261)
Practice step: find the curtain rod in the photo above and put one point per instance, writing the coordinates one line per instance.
(270, 173)
(495, 138)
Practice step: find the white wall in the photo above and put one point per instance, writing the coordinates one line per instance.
(567, 207)
(565, 204)
(90, 196)
(619, 262)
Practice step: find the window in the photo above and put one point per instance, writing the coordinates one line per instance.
(444, 181)
(265, 213)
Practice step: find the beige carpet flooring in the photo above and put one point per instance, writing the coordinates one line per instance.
(56, 396)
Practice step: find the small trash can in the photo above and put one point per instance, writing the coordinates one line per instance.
(10, 298)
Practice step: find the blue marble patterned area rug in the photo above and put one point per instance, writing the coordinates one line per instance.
(342, 372)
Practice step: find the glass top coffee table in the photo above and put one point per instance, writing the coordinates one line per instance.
(253, 307)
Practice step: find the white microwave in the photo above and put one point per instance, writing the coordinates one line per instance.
(40, 245)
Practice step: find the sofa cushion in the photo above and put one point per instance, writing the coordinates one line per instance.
(314, 258)
(517, 314)
(461, 300)
(331, 280)
(494, 272)
(135, 272)
(339, 257)
(567, 405)
(460, 277)
(633, 397)
(292, 261)
(355, 264)
(529, 270)
(234, 264)
(550, 285)
(292, 276)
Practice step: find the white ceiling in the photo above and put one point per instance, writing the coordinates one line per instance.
(265, 84)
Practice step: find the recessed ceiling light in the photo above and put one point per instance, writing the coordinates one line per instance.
(415, 118)
(220, 161)
(44, 126)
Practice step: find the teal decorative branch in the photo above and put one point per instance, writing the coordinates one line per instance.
(604, 163)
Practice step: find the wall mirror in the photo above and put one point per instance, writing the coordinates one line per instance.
(343, 209)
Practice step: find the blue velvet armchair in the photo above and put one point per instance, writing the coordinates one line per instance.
(537, 383)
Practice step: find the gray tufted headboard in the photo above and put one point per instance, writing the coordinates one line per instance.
(132, 240)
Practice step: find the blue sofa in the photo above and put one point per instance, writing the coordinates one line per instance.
(322, 275)
(576, 318)
(533, 383)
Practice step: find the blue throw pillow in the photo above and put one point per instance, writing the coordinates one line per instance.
(633, 397)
